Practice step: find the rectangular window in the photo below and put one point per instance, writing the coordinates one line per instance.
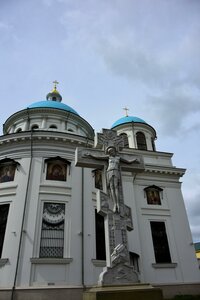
(100, 237)
(52, 232)
(98, 179)
(160, 242)
(3, 221)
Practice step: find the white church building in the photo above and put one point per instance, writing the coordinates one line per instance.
(52, 241)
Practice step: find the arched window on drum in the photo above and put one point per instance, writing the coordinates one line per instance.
(125, 137)
(141, 141)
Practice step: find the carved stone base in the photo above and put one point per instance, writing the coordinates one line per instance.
(136, 291)
(119, 274)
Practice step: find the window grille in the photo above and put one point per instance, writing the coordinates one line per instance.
(52, 232)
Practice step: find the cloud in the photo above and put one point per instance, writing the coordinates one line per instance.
(48, 2)
(7, 33)
(5, 26)
(176, 109)
(153, 44)
(155, 49)
(191, 193)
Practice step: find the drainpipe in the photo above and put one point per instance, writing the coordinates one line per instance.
(23, 219)
(82, 222)
(82, 225)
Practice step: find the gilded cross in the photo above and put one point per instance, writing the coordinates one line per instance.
(126, 111)
(55, 84)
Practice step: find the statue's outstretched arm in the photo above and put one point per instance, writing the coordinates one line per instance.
(127, 161)
(88, 154)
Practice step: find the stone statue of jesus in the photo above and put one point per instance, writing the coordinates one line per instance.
(113, 174)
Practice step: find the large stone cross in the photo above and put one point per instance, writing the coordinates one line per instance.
(110, 202)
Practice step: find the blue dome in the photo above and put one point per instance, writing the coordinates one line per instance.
(128, 119)
(52, 104)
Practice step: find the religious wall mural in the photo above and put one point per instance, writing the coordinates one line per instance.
(56, 171)
(7, 172)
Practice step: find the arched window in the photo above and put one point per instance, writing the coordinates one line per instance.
(53, 126)
(70, 130)
(125, 137)
(52, 231)
(134, 260)
(34, 127)
(153, 144)
(18, 130)
(53, 98)
(141, 141)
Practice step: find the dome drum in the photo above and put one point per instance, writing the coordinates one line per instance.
(140, 134)
(48, 118)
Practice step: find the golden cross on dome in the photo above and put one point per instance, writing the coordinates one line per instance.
(55, 84)
(126, 111)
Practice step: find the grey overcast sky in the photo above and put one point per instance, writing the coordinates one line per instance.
(107, 54)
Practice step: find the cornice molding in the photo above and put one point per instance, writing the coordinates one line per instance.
(44, 111)
(165, 170)
(45, 135)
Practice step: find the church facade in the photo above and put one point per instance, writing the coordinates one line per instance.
(51, 236)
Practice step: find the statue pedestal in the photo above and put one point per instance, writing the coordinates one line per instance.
(129, 292)
(118, 275)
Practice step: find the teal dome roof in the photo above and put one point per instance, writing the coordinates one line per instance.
(53, 104)
(127, 119)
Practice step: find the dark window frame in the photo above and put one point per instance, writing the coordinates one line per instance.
(141, 141)
(4, 211)
(100, 237)
(53, 126)
(153, 144)
(34, 127)
(98, 178)
(160, 242)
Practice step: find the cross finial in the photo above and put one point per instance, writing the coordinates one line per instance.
(55, 84)
(126, 111)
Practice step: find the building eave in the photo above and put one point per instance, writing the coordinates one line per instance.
(165, 170)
